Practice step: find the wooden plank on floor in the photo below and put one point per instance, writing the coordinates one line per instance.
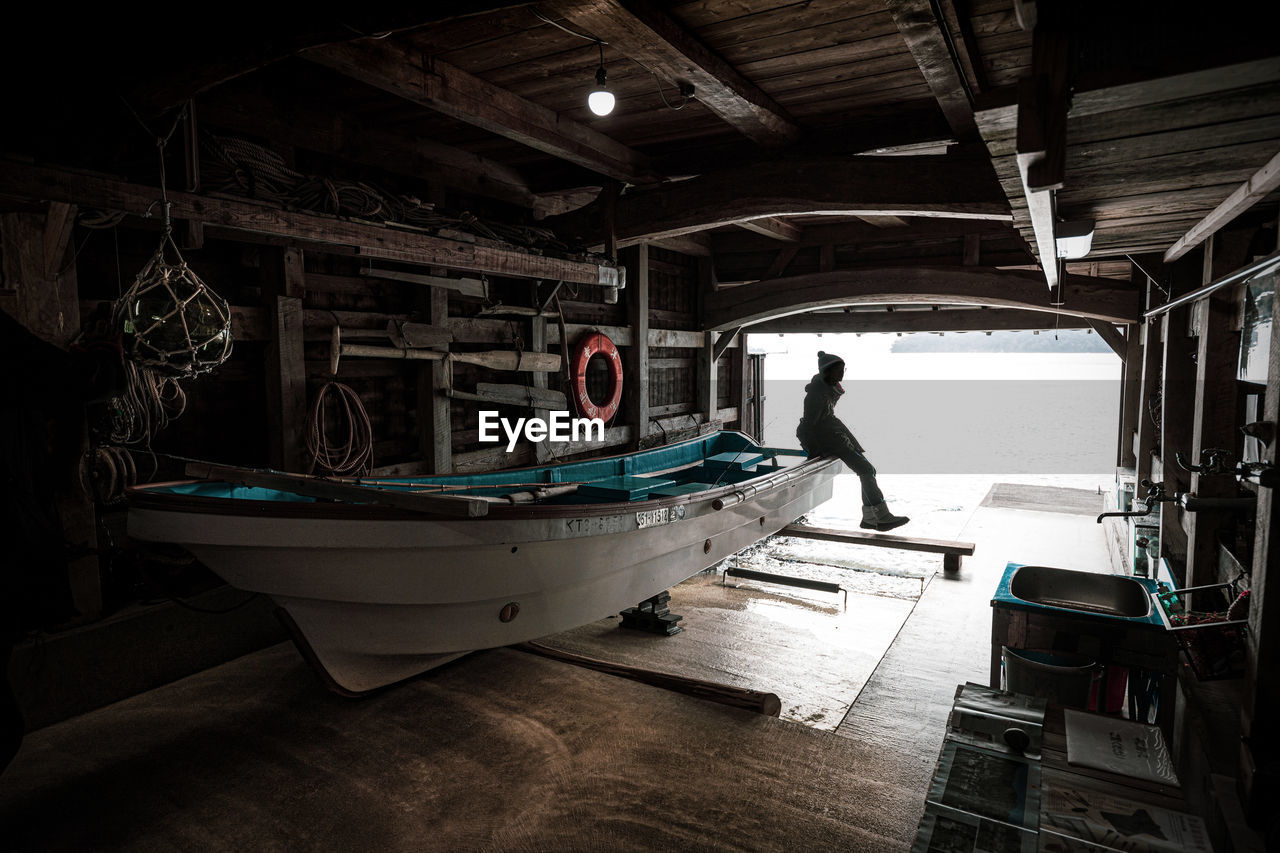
(881, 540)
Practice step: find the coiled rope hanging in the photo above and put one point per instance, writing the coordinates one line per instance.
(352, 453)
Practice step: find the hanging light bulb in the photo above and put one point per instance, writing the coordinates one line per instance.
(601, 100)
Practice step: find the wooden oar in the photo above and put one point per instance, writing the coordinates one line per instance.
(739, 697)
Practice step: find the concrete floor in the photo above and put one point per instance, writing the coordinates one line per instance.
(507, 751)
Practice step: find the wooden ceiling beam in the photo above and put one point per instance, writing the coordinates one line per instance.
(931, 46)
(853, 186)
(1043, 99)
(331, 133)
(643, 32)
(220, 51)
(859, 233)
(1083, 296)
(435, 84)
(1252, 191)
(997, 110)
(954, 319)
(775, 227)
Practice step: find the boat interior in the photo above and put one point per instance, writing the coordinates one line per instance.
(686, 468)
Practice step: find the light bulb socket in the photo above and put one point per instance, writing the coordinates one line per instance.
(602, 79)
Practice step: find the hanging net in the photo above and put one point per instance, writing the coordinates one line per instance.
(172, 322)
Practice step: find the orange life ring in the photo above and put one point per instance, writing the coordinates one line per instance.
(597, 343)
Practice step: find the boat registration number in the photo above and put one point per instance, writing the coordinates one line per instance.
(654, 517)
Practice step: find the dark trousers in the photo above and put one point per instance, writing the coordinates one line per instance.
(857, 462)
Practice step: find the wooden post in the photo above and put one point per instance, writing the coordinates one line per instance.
(283, 287)
(39, 266)
(707, 372)
(1131, 395)
(636, 383)
(435, 427)
(1214, 421)
(1260, 745)
(538, 343)
(741, 371)
(707, 376)
(1177, 400)
(35, 255)
(1148, 429)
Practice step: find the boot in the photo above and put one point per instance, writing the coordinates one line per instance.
(878, 517)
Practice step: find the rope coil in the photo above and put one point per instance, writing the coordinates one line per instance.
(353, 454)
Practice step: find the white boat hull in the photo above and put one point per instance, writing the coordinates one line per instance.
(376, 600)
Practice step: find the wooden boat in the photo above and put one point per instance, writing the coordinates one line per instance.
(398, 576)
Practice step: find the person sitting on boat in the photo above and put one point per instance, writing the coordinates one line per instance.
(821, 433)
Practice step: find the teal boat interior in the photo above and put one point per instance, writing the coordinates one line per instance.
(687, 467)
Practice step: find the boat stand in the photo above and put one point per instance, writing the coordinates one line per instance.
(652, 615)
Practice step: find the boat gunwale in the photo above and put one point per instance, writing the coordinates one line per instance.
(144, 498)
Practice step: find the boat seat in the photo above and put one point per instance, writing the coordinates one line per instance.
(744, 461)
(622, 488)
(677, 489)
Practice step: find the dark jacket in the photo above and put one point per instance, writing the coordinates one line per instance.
(820, 431)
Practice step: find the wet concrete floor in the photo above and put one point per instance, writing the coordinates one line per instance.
(503, 750)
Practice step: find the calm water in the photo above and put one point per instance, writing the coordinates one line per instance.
(941, 428)
(957, 413)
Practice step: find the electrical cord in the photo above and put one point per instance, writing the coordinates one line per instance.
(685, 96)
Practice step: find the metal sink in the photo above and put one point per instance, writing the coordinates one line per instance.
(1105, 595)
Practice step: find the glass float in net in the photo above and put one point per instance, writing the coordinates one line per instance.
(172, 321)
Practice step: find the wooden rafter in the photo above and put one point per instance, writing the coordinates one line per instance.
(1259, 185)
(775, 227)
(430, 82)
(1043, 100)
(928, 40)
(1104, 299)
(331, 133)
(641, 31)
(778, 267)
(1111, 335)
(896, 186)
(220, 52)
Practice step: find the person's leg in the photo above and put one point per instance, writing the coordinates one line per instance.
(860, 465)
(875, 512)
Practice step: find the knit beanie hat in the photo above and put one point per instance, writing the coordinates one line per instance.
(826, 359)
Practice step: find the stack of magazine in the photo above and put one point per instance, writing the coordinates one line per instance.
(987, 794)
